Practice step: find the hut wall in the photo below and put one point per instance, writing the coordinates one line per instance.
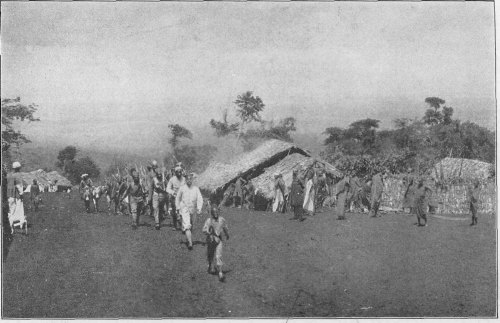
(452, 199)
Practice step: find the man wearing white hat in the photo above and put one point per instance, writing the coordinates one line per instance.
(15, 196)
(173, 186)
(189, 203)
(86, 191)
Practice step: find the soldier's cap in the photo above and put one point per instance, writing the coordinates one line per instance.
(85, 175)
(16, 164)
(177, 169)
(154, 163)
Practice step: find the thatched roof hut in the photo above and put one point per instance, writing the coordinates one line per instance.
(265, 182)
(44, 178)
(218, 175)
(461, 169)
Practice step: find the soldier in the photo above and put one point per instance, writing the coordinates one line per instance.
(473, 193)
(135, 196)
(173, 186)
(159, 199)
(86, 191)
(189, 203)
(35, 194)
(376, 193)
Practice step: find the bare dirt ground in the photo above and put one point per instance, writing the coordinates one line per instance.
(73, 264)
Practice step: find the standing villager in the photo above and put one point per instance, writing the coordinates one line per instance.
(322, 189)
(189, 203)
(15, 197)
(238, 197)
(411, 183)
(6, 232)
(228, 193)
(279, 192)
(421, 205)
(35, 194)
(376, 193)
(173, 186)
(308, 205)
(342, 191)
(213, 228)
(159, 200)
(297, 196)
(473, 193)
(249, 194)
(135, 195)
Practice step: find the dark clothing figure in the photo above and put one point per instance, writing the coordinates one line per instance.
(409, 193)
(322, 191)
(228, 193)
(35, 196)
(6, 232)
(249, 193)
(473, 193)
(297, 197)
(342, 192)
(376, 193)
(421, 205)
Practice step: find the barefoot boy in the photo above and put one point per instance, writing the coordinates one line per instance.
(213, 229)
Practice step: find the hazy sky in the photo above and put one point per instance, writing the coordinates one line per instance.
(325, 63)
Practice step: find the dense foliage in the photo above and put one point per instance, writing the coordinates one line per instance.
(418, 144)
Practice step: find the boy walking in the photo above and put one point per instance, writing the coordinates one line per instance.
(213, 228)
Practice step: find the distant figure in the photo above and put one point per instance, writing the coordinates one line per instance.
(228, 193)
(342, 191)
(238, 197)
(189, 203)
(35, 194)
(279, 192)
(159, 199)
(152, 174)
(86, 191)
(308, 205)
(249, 194)
(376, 193)
(135, 196)
(409, 190)
(297, 196)
(173, 186)
(15, 198)
(421, 204)
(322, 189)
(473, 193)
(213, 228)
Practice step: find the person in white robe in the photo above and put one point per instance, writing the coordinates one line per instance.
(189, 203)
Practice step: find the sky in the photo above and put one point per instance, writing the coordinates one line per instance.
(126, 70)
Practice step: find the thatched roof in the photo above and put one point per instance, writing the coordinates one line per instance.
(44, 178)
(217, 175)
(265, 182)
(461, 168)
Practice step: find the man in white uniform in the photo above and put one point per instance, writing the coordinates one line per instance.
(189, 203)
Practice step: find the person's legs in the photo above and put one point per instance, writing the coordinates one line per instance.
(218, 260)
(210, 256)
(134, 211)
(156, 210)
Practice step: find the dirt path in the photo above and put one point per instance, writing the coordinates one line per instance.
(77, 265)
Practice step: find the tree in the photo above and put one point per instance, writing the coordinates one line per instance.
(13, 110)
(224, 128)
(65, 157)
(249, 107)
(433, 116)
(178, 132)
